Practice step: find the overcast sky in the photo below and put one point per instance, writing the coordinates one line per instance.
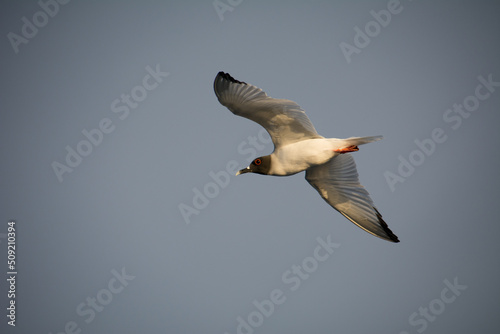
(117, 165)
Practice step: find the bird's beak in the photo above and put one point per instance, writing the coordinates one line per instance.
(243, 171)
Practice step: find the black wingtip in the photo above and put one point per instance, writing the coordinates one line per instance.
(228, 77)
(386, 228)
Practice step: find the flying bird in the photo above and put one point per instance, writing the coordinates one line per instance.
(329, 166)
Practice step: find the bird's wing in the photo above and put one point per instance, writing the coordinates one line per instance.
(285, 121)
(337, 182)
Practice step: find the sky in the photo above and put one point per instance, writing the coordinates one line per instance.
(117, 164)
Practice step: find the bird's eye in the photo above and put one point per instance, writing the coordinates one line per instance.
(257, 162)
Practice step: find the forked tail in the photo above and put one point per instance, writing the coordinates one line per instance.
(351, 144)
(361, 140)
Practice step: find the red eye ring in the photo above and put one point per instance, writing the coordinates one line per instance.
(257, 162)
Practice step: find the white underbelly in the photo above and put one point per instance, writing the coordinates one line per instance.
(297, 157)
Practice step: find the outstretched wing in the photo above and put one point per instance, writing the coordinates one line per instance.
(285, 121)
(337, 182)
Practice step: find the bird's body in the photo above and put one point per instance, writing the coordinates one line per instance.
(297, 157)
(329, 167)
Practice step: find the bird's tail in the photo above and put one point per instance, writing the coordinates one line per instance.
(355, 141)
(351, 144)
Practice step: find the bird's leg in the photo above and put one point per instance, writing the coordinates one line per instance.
(352, 148)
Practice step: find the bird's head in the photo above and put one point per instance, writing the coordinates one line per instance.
(260, 165)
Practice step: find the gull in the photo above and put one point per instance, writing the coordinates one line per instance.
(327, 162)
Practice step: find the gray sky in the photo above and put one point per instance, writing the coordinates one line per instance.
(110, 130)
